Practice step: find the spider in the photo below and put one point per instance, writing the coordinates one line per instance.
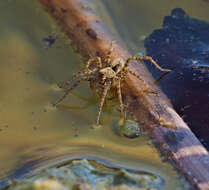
(104, 75)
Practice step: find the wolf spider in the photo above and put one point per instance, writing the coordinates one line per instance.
(104, 75)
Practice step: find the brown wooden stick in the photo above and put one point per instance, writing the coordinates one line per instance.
(91, 38)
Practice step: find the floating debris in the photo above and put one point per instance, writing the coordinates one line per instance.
(50, 40)
(83, 174)
(128, 128)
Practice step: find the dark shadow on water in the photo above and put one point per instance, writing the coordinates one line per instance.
(182, 45)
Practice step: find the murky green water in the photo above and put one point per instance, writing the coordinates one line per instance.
(33, 134)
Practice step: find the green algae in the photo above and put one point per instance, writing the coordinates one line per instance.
(128, 128)
(81, 174)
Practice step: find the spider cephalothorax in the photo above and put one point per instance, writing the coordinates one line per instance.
(105, 74)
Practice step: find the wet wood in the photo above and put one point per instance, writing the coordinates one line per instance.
(91, 38)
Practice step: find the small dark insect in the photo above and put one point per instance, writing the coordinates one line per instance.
(106, 74)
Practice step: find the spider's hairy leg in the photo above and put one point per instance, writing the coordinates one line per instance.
(74, 77)
(68, 90)
(147, 58)
(146, 89)
(120, 99)
(99, 62)
(96, 60)
(104, 94)
(109, 53)
(138, 77)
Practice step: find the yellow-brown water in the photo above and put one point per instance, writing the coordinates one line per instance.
(33, 133)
